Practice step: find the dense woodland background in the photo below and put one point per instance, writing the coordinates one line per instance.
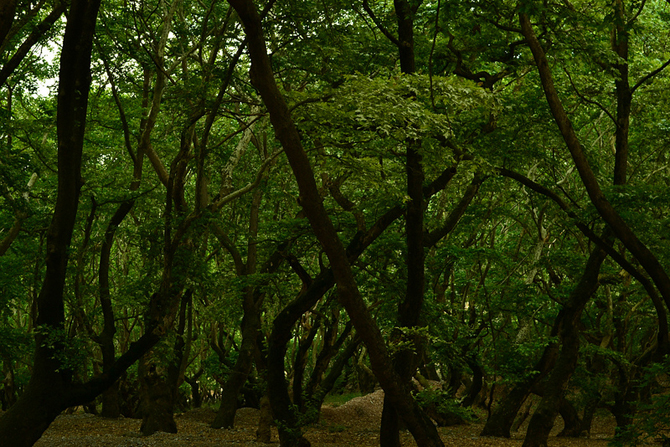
(238, 203)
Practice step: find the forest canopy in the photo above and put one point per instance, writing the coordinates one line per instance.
(237, 203)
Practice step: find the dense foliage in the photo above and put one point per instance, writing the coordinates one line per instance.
(543, 218)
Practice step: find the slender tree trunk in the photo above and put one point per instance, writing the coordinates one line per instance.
(110, 398)
(477, 382)
(284, 322)
(409, 310)
(251, 324)
(300, 364)
(315, 400)
(196, 394)
(573, 426)
(264, 431)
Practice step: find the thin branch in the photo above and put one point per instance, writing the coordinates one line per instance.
(30, 41)
(585, 99)
(259, 176)
(637, 14)
(649, 76)
(380, 25)
(430, 58)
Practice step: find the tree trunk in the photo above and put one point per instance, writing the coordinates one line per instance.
(157, 398)
(542, 420)
(300, 364)
(477, 382)
(264, 432)
(262, 78)
(502, 418)
(620, 228)
(111, 405)
(389, 434)
(251, 324)
(110, 398)
(572, 424)
(160, 383)
(196, 395)
(409, 309)
(284, 322)
(315, 400)
(289, 431)
(251, 321)
(623, 409)
(331, 347)
(47, 392)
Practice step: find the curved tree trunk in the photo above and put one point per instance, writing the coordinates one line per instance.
(157, 402)
(573, 426)
(331, 347)
(620, 228)
(477, 382)
(47, 392)
(502, 418)
(251, 324)
(542, 420)
(262, 78)
(110, 398)
(300, 364)
(315, 399)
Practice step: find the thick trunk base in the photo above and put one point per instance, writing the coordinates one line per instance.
(389, 434)
(157, 402)
(111, 407)
(264, 432)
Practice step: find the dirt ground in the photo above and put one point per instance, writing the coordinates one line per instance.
(355, 423)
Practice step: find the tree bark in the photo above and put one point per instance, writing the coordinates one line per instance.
(573, 426)
(315, 400)
(409, 309)
(477, 381)
(160, 383)
(621, 229)
(300, 364)
(542, 420)
(262, 78)
(110, 398)
(502, 418)
(47, 392)
(251, 325)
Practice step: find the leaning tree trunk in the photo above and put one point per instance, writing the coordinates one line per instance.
(542, 420)
(300, 364)
(46, 394)
(110, 398)
(251, 323)
(621, 229)
(262, 78)
(573, 426)
(315, 399)
(502, 418)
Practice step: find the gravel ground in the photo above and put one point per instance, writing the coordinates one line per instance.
(355, 423)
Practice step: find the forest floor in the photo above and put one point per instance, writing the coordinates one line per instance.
(356, 423)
